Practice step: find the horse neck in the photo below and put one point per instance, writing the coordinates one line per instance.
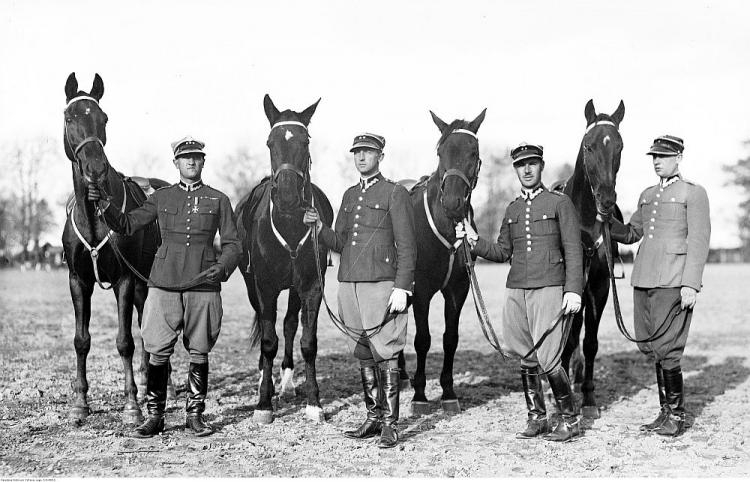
(290, 225)
(443, 223)
(85, 213)
(579, 190)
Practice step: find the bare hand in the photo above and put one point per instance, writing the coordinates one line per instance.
(571, 303)
(397, 301)
(471, 236)
(94, 194)
(689, 297)
(312, 217)
(215, 273)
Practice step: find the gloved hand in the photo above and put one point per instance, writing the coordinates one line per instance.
(397, 301)
(312, 217)
(94, 194)
(215, 273)
(471, 235)
(571, 303)
(689, 297)
(460, 232)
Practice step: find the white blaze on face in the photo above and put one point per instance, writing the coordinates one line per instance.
(288, 135)
(606, 140)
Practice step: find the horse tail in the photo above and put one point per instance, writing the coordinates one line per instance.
(255, 332)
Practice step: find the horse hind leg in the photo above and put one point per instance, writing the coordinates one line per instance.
(309, 348)
(80, 293)
(124, 292)
(291, 322)
(455, 296)
(404, 380)
(422, 340)
(592, 317)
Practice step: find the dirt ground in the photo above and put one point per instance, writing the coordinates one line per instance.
(37, 363)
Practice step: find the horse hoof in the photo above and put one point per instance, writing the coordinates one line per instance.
(315, 414)
(590, 411)
(263, 417)
(450, 406)
(79, 414)
(132, 416)
(420, 408)
(287, 384)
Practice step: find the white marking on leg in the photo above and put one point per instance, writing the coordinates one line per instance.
(287, 382)
(315, 414)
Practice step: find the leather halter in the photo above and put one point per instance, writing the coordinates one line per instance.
(470, 184)
(76, 149)
(586, 167)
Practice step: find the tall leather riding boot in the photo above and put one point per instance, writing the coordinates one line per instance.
(569, 424)
(532, 389)
(371, 387)
(391, 389)
(663, 411)
(674, 425)
(156, 402)
(195, 404)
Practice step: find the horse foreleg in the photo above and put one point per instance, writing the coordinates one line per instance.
(422, 342)
(455, 296)
(309, 348)
(269, 345)
(403, 374)
(291, 322)
(80, 293)
(592, 317)
(124, 293)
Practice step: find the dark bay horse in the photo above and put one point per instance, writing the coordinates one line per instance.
(87, 242)
(592, 189)
(440, 201)
(278, 255)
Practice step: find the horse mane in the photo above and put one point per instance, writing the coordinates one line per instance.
(456, 124)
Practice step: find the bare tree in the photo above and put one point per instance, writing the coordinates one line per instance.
(740, 177)
(240, 172)
(494, 191)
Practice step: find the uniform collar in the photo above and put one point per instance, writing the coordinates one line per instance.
(669, 180)
(366, 183)
(530, 195)
(191, 187)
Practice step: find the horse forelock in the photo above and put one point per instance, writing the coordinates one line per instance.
(456, 124)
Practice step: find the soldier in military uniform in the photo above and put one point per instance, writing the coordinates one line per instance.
(672, 218)
(185, 279)
(375, 236)
(541, 236)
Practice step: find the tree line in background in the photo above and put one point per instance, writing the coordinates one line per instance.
(27, 213)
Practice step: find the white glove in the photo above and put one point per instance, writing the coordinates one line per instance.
(571, 303)
(471, 235)
(460, 233)
(397, 302)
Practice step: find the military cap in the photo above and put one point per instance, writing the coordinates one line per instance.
(371, 141)
(526, 151)
(666, 145)
(187, 145)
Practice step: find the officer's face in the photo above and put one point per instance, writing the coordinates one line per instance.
(367, 161)
(529, 172)
(190, 166)
(666, 166)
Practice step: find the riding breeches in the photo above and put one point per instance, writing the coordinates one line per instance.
(527, 314)
(362, 307)
(196, 313)
(651, 306)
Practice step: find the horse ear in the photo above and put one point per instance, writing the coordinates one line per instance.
(71, 86)
(474, 125)
(619, 113)
(97, 90)
(307, 114)
(439, 122)
(272, 113)
(590, 112)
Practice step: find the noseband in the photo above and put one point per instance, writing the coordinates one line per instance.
(585, 164)
(304, 175)
(470, 184)
(85, 141)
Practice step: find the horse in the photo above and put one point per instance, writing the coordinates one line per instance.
(89, 244)
(278, 255)
(591, 187)
(440, 201)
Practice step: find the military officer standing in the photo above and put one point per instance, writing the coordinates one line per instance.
(375, 236)
(672, 218)
(185, 279)
(541, 236)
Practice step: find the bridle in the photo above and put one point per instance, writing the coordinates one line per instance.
(470, 183)
(304, 175)
(585, 163)
(85, 141)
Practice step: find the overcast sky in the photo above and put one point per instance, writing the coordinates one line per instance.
(172, 68)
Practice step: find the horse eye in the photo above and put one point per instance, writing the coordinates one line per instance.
(68, 120)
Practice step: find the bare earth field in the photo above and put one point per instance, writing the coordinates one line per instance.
(37, 363)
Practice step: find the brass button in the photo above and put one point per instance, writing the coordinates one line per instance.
(528, 236)
(652, 220)
(188, 220)
(527, 221)
(356, 225)
(354, 234)
(356, 216)
(650, 235)
(360, 198)
(656, 203)
(544, 216)
(528, 228)
(188, 236)
(187, 244)
(528, 249)
(359, 207)
(354, 243)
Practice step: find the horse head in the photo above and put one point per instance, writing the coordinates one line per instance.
(459, 163)
(289, 145)
(85, 129)
(601, 148)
